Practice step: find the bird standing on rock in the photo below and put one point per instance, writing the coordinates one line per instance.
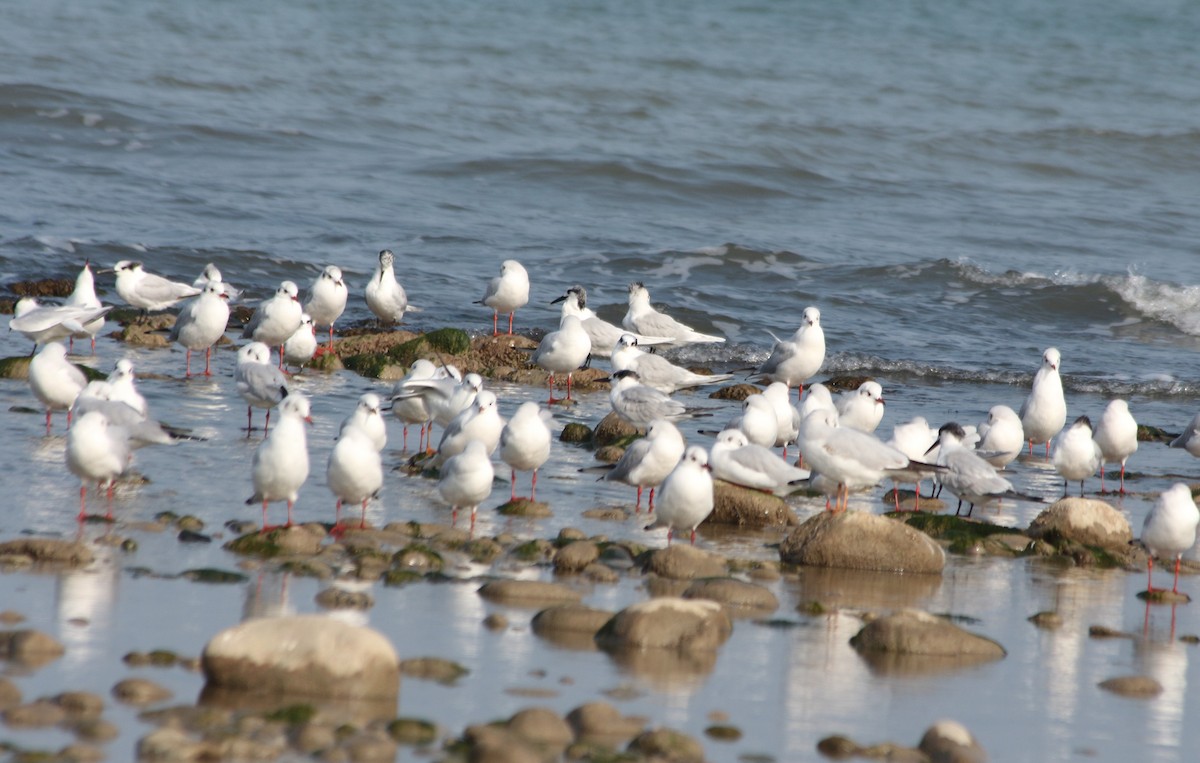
(385, 296)
(686, 498)
(656, 371)
(506, 293)
(147, 291)
(327, 299)
(280, 464)
(796, 360)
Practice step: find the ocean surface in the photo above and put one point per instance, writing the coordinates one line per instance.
(957, 186)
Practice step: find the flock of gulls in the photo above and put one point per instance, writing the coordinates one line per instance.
(837, 448)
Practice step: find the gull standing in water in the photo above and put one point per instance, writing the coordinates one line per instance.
(639, 405)
(914, 438)
(97, 451)
(1116, 435)
(506, 293)
(686, 498)
(967, 475)
(525, 444)
(1001, 437)
(413, 409)
(466, 480)
(49, 323)
(481, 422)
(327, 299)
(603, 334)
(280, 464)
(385, 296)
(55, 381)
(1169, 530)
(300, 347)
(147, 291)
(1076, 455)
(796, 360)
(1044, 412)
(367, 417)
(84, 295)
(260, 384)
(354, 472)
(642, 318)
(276, 318)
(563, 352)
(201, 323)
(655, 370)
(647, 461)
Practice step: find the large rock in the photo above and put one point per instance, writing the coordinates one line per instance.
(683, 562)
(951, 742)
(741, 597)
(71, 553)
(667, 623)
(743, 507)
(612, 428)
(912, 632)
(1086, 521)
(571, 625)
(861, 541)
(528, 593)
(601, 723)
(305, 655)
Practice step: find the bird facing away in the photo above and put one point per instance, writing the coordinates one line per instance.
(506, 293)
(563, 352)
(84, 295)
(1189, 439)
(55, 381)
(1116, 434)
(656, 371)
(736, 460)
(385, 296)
(466, 480)
(49, 323)
(1001, 437)
(642, 318)
(327, 299)
(201, 323)
(1076, 455)
(1044, 412)
(796, 360)
(147, 291)
(686, 497)
(280, 464)
(97, 451)
(1169, 530)
(603, 334)
(525, 444)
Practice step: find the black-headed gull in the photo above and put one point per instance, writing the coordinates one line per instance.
(465, 480)
(55, 381)
(562, 352)
(914, 438)
(647, 461)
(260, 384)
(276, 318)
(506, 293)
(603, 334)
(525, 444)
(148, 291)
(796, 360)
(758, 421)
(642, 318)
(1189, 439)
(1076, 456)
(639, 405)
(1044, 412)
(327, 299)
(212, 274)
(367, 416)
(1169, 530)
(97, 451)
(299, 348)
(280, 464)
(686, 497)
(1116, 434)
(787, 417)
(84, 295)
(201, 322)
(736, 460)
(1001, 436)
(121, 386)
(479, 422)
(412, 409)
(656, 371)
(385, 296)
(354, 472)
(49, 323)
(863, 408)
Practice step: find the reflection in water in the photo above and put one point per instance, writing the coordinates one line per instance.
(863, 589)
(1161, 656)
(84, 601)
(267, 596)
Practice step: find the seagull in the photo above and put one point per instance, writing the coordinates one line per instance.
(863, 408)
(1169, 530)
(445, 395)
(506, 293)
(758, 421)
(302, 344)
(562, 352)
(1076, 454)
(914, 438)
(819, 398)
(686, 497)
(656, 371)
(787, 418)
(967, 474)
(327, 299)
(642, 318)
(647, 461)
(97, 451)
(260, 384)
(736, 460)
(55, 381)
(280, 464)
(120, 386)
(413, 409)
(367, 417)
(211, 274)
(147, 291)
(140, 429)
(466, 480)
(385, 295)
(480, 422)
(639, 405)
(276, 318)
(1117, 437)
(354, 472)
(1044, 412)
(84, 295)
(201, 323)
(1001, 437)
(794, 361)
(603, 334)
(41, 324)
(1190, 439)
(525, 444)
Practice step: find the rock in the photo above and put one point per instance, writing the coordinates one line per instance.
(1046, 620)
(307, 655)
(80, 705)
(1137, 687)
(606, 513)
(433, 669)
(601, 723)
(36, 715)
(570, 625)
(340, 598)
(683, 562)
(49, 551)
(523, 507)
(857, 540)
(668, 745)
(1163, 596)
(493, 744)
(139, 691)
(574, 432)
(600, 573)
(418, 558)
(10, 694)
(495, 622)
(949, 741)
(612, 429)
(172, 744)
(667, 623)
(16, 368)
(542, 726)
(11, 617)
(912, 632)
(574, 557)
(609, 454)
(1086, 521)
(147, 330)
(81, 753)
(838, 747)
(738, 595)
(1101, 631)
(412, 731)
(738, 392)
(528, 593)
(743, 507)
(723, 732)
(28, 647)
